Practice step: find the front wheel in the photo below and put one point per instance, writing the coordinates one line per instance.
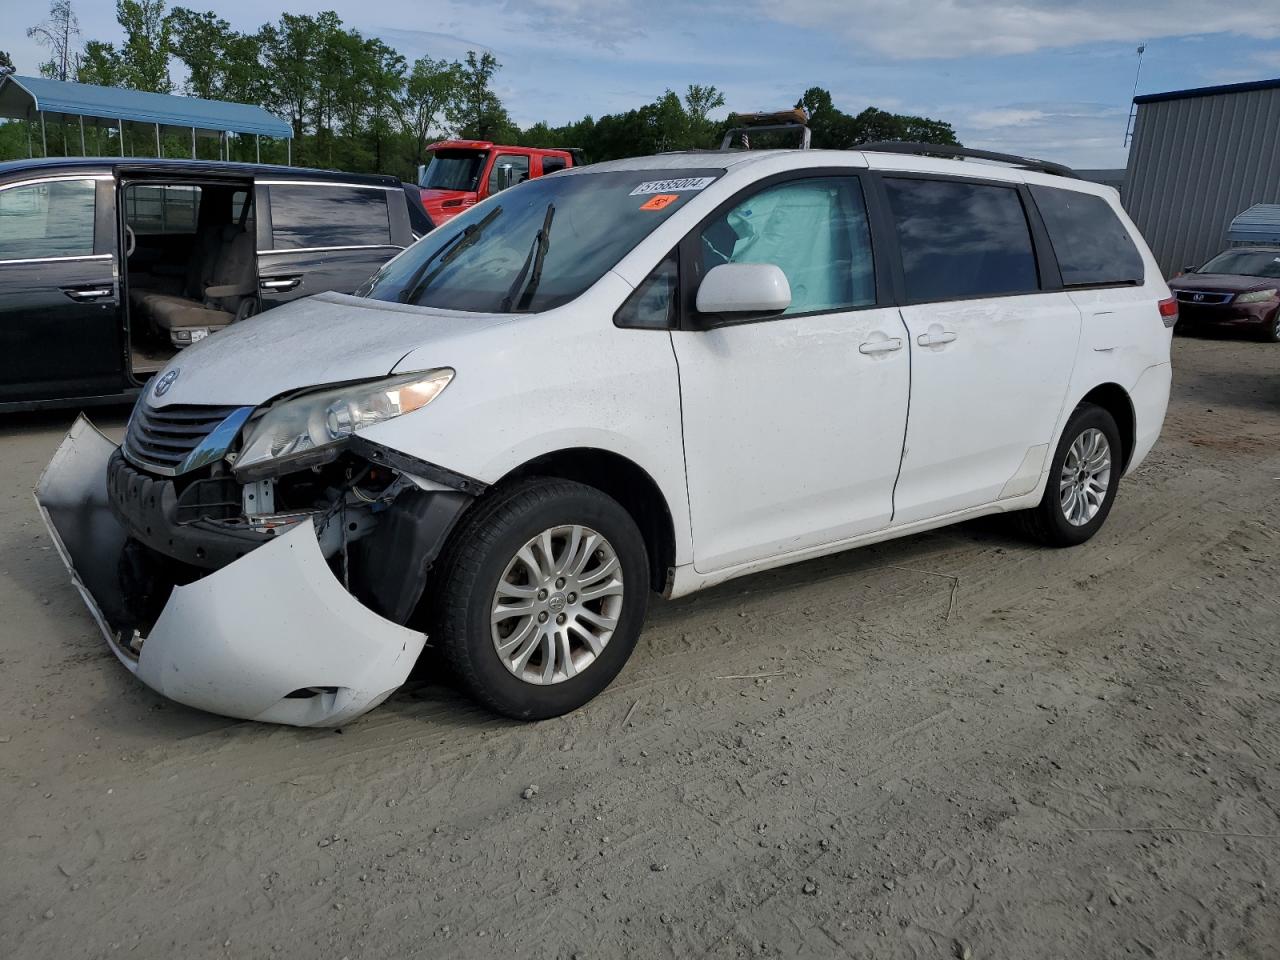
(1082, 483)
(544, 593)
(1271, 333)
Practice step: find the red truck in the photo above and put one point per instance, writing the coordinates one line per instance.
(463, 172)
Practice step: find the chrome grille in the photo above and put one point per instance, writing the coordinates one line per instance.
(160, 438)
(1209, 298)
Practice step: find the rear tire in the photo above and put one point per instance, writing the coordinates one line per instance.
(567, 647)
(1083, 477)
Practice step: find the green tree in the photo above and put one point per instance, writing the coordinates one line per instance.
(60, 34)
(431, 93)
(222, 64)
(700, 101)
(478, 113)
(144, 57)
(100, 64)
(6, 61)
(286, 52)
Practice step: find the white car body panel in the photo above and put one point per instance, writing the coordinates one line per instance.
(982, 400)
(778, 464)
(560, 380)
(319, 340)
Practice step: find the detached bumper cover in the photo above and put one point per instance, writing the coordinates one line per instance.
(242, 640)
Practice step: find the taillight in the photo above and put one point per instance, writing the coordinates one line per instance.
(1169, 311)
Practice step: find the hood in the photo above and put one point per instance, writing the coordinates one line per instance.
(320, 340)
(1223, 282)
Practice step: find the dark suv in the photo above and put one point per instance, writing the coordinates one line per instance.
(109, 266)
(1238, 288)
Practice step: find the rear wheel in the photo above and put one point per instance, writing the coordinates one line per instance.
(1082, 483)
(545, 590)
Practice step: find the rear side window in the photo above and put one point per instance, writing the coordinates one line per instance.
(1090, 242)
(962, 240)
(552, 164)
(307, 216)
(53, 219)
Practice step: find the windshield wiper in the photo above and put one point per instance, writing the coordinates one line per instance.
(537, 256)
(417, 283)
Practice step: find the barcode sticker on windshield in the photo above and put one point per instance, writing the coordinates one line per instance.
(673, 186)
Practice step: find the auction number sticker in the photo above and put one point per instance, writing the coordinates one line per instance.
(673, 186)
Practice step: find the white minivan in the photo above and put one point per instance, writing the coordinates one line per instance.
(650, 375)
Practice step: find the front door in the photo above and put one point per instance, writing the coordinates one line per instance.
(60, 329)
(793, 425)
(991, 354)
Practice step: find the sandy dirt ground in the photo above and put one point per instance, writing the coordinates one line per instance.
(954, 745)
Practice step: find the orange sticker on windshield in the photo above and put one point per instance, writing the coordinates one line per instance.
(658, 201)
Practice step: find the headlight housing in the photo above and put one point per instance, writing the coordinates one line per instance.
(317, 420)
(1256, 296)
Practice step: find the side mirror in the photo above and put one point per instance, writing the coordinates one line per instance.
(508, 177)
(1189, 269)
(754, 289)
(422, 173)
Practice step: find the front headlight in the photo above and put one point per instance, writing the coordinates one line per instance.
(1257, 296)
(316, 420)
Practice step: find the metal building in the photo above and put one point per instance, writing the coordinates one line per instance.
(1200, 157)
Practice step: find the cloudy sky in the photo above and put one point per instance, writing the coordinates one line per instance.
(1050, 78)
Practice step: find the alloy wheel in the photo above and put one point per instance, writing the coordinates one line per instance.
(1085, 477)
(557, 604)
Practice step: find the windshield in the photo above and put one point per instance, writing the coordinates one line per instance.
(454, 170)
(1245, 263)
(537, 245)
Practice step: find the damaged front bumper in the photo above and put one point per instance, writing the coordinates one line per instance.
(271, 636)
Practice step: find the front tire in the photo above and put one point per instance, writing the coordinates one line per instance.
(1271, 334)
(544, 593)
(1083, 477)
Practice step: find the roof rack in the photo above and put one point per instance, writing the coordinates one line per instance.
(961, 153)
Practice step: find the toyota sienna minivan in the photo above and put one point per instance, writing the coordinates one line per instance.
(650, 375)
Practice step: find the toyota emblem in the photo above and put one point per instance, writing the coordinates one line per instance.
(165, 382)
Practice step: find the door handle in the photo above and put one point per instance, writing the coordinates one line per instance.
(89, 294)
(932, 339)
(887, 345)
(279, 283)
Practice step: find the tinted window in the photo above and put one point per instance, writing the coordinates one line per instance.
(538, 245)
(552, 164)
(815, 231)
(961, 239)
(322, 216)
(653, 305)
(519, 167)
(47, 220)
(1247, 263)
(1090, 242)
